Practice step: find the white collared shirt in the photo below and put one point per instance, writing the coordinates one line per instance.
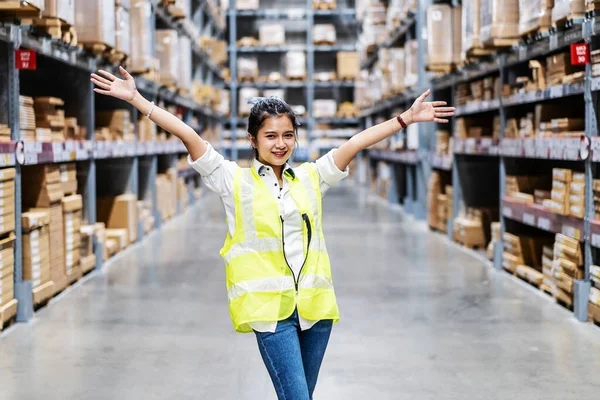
(217, 174)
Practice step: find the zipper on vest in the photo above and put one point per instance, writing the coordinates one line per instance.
(309, 233)
(285, 257)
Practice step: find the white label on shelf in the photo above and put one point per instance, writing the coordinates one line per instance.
(556, 91)
(543, 223)
(553, 42)
(507, 211)
(569, 231)
(529, 219)
(595, 240)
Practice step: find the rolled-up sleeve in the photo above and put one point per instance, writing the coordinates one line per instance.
(329, 173)
(216, 172)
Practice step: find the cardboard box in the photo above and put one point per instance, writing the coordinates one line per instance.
(119, 236)
(295, 64)
(6, 289)
(270, 34)
(185, 62)
(120, 213)
(568, 9)
(561, 174)
(62, 9)
(72, 203)
(95, 21)
(323, 108)
(247, 4)
(35, 219)
(499, 19)
(7, 174)
(440, 34)
(41, 186)
(348, 65)
(471, 23)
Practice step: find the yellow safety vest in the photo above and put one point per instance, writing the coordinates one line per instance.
(260, 284)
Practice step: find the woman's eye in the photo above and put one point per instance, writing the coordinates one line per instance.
(289, 135)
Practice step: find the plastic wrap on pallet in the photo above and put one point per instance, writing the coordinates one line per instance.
(411, 52)
(376, 13)
(95, 21)
(324, 108)
(499, 19)
(62, 9)
(123, 30)
(140, 15)
(324, 33)
(397, 69)
(394, 14)
(568, 9)
(185, 62)
(245, 95)
(439, 34)
(270, 34)
(534, 15)
(409, 7)
(167, 49)
(295, 64)
(470, 26)
(247, 67)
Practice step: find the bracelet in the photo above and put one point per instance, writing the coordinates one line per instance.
(151, 109)
(401, 121)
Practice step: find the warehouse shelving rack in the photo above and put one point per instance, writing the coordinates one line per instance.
(498, 153)
(134, 162)
(411, 167)
(300, 10)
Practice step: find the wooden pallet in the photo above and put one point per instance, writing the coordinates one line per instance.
(42, 294)
(54, 28)
(96, 48)
(18, 9)
(319, 5)
(324, 43)
(296, 78)
(88, 264)
(440, 68)
(75, 275)
(8, 312)
(535, 32)
(249, 79)
(568, 22)
(248, 41)
(529, 275)
(547, 290)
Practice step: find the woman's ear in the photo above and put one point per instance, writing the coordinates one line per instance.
(252, 141)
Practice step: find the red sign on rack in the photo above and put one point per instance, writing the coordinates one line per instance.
(25, 59)
(580, 54)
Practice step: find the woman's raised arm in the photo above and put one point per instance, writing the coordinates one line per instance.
(420, 111)
(125, 89)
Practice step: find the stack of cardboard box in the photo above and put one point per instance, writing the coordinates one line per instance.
(432, 199)
(72, 216)
(118, 123)
(567, 266)
(577, 195)
(4, 133)
(119, 213)
(36, 254)
(95, 22)
(548, 285)
(7, 200)
(324, 34)
(527, 189)
(247, 68)
(88, 258)
(568, 9)
(535, 15)
(444, 33)
(68, 178)
(499, 21)
(270, 34)
(26, 118)
(469, 228)
(559, 70)
(8, 304)
(42, 189)
(295, 65)
(167, 52)
(348, 65)
(523, 256)
(496, 230)
(596, 190)
(49, 116)
(561, 181)
(471, 44)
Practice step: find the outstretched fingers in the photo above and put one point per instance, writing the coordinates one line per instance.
(107, 75)
(100, 79)
(440, 120)
(107, 92)
(100, 84)
(424, 95)
(443, 114)
(438, 103)
(124, 72)
(445, 109)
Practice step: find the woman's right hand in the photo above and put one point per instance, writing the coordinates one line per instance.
(110, 85)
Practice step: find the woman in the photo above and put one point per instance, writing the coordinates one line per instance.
(278, 276)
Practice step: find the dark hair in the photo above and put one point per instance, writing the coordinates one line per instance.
(268, 107)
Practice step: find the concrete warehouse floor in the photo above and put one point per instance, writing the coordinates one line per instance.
(421, 319)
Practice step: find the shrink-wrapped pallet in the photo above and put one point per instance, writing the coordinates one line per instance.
(247, 68)
(185, 62)
(499, 21)
(95, 21)
(123, 30)
(167, 51)
(411, 51)
(245, 95)
(324, 108)
(471, 22)
(62, 9)
(141, 35)
(295, 65)
(444, 34)
(247, 4)
(270, 34)
(324, 33)
(534, 15)
(568, 9)
(397, 69)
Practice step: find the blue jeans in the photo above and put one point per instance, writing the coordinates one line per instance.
(293, 357)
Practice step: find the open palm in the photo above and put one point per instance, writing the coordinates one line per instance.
(422, 111)
(110, 85)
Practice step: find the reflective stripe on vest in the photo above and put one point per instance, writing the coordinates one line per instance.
(260, 285)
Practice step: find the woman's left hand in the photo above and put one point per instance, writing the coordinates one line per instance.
(422, 111)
